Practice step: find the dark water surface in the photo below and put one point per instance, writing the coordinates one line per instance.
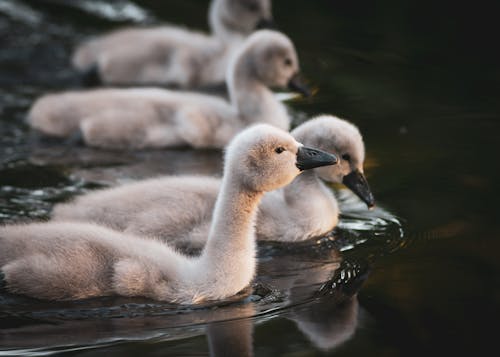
(420, 275)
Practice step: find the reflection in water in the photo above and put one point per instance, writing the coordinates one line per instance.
(231, 338)
(328, 323)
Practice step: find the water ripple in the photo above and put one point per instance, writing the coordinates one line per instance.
(115, 11)
(19, 11)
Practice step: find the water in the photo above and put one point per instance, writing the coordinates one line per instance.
(419, 275)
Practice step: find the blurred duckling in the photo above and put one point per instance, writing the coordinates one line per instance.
(169, 55)
(152, 118)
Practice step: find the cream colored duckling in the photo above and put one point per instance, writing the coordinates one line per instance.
(172, 55)
(64, 261)
(307, 208)
(179, 209)
(151, 117)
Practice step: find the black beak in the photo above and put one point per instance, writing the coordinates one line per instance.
(309, 158)
(266, 24)
(356, 181)
(296, 84)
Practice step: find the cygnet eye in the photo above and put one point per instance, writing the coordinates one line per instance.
(288, 62)
(346, 157)
(279, 149)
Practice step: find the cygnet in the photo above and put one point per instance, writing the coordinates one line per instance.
(67, 261)
(170, 55)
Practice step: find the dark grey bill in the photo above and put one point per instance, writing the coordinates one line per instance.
(268, 24)
(356, 181)
(296, 84)
(309, 158)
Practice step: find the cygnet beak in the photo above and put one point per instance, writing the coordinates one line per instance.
(357, 183)
(264, 23)
(309, 158)
(296, 84)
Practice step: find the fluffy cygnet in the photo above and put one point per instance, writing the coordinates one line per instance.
(179, 209)
(173, 56)
(64, 261)
(152, 117)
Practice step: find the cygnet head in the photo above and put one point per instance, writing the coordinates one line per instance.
(268, 57)
(344, 140)
(240, 16)
(264, 158)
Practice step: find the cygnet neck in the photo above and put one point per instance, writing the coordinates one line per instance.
(252, 99)
(232, 237)
(222, 30)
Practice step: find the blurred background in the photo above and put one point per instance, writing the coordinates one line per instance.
(421, 79)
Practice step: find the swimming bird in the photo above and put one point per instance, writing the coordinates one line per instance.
(179, 209)
(67, 261)
(151, 117)
(170, 55)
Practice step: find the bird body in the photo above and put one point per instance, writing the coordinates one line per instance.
(68, 260)
(172, 55)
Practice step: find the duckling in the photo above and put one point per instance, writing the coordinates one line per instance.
(179, 209)
(284, 209)
(67, 261)
(152, 118)
(173, 56)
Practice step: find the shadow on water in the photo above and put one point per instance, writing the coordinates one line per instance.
(421, 82)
